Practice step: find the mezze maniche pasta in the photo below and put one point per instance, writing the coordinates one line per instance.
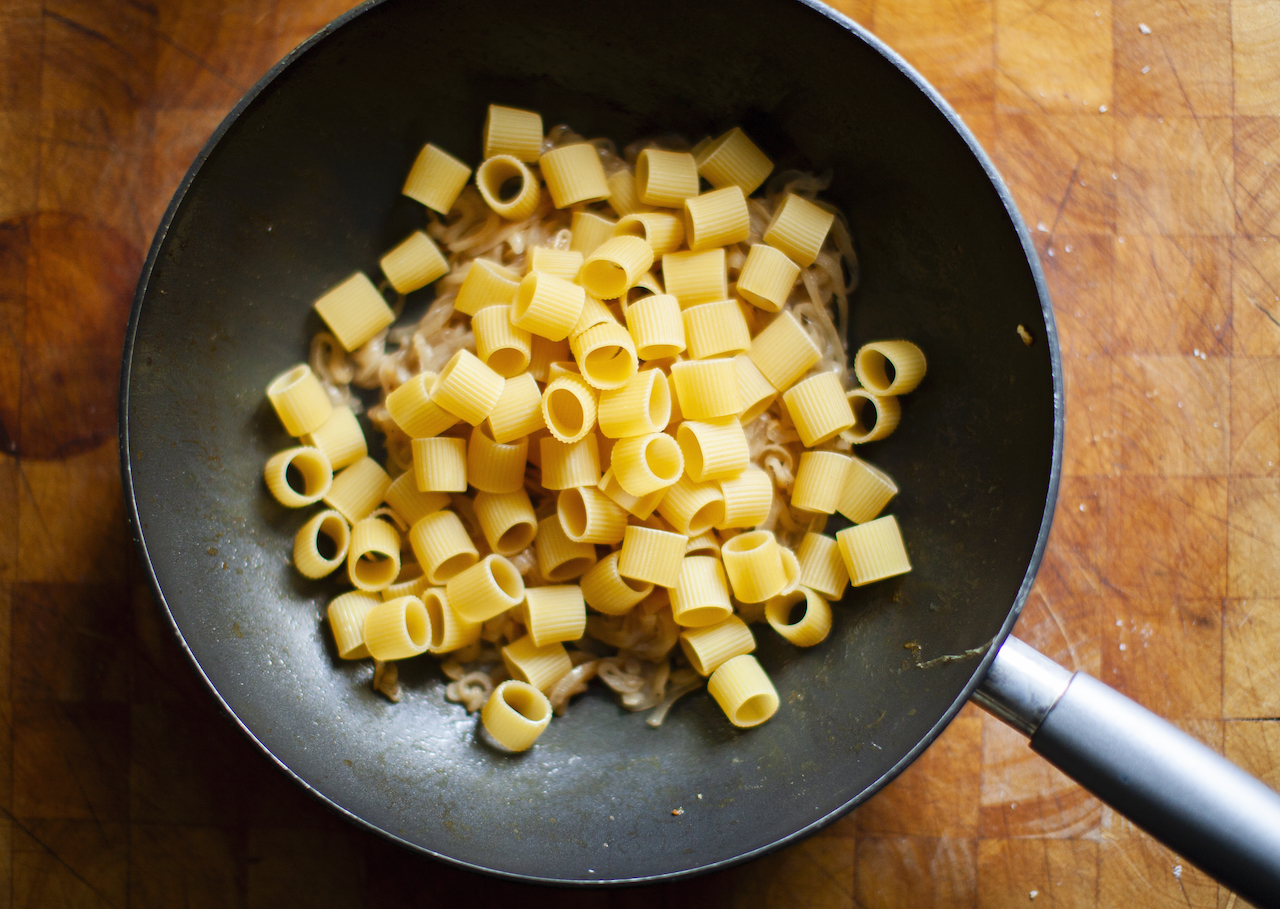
(615, 439)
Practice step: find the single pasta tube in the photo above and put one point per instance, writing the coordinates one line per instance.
(540, 667)
(373, 557)
(616, 265)
(411, 503)
(512, 131)
(607, 591)
(467, 388)
(589, 230)
(357, 490)
(312, 470)
(818, 408)
(587, 515)
(515, 715)
(657, 326)
(648, 463)
(716, 330)
(605, 354)
(560, 558)
(414, 263)
(754, 566)
(436, 179)
(707, 389)
(449, 631)
(569, 408)
(547, 306)
(555, 613)
(652, 556)
(798, 229)
(574, 174)
(692, 508)
(499, 344)
(820, 481)
(873, 551)
(518, 412)
(747, 498)
(440, 464)
(701, 595)
(639, 506)
(563, 263)
(339, 437)
(732, 159)
(486, 589)
(495, 466)
(299, 400)
(662, 231)
(767, 277)
(507, 520)
(442, 546)
(354, 311)
(822, 567)
(885, 414)
(873, 361)
(743, 691)
(594, 312)
(567, 464)
(790, 569)
(696, 277)
(397, 629)
(414, 412)
(783, 352)
(712, 451)
(346, 620)
(622, 195)
(486, 284)
(665, 178)
(310, 557)
(867, 490)
(494, 174)
(755, 391)
(717, 218)
(709, 646)
(704, 543)
(639, 407)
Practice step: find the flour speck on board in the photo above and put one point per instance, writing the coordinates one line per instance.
(1144, 28)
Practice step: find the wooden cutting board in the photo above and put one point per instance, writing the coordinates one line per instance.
(1141, 140)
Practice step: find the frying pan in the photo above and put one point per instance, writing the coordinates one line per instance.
(300, 186)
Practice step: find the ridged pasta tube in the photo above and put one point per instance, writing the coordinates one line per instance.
(717, 218)
(662, 231)
(516, 714)
(605, 354)
(413, 263)
(756, 392)
(648, 463)
(814, 623)
(867, 490)
(707, 389)
(589, 230)
(713, 451)
(638, 506)
(732, 159)
(820, 481)
(486, 284)
(518, 412)
(798, 229)
(547, 306)
(708, 646)
(822, 567)
(354, 310)
(373, 557)
(555, 613)
(594, 313)
(339, 437)
(616, 265)
(692, 508)
(409, 582)
(652, 556)
(754, 566)
(568, 464)
(436, 179)
(574, 174)
(308, 558)
(512, 131)
(467, 388)
(871, 364)
(747, 498)
(311, 466)
(440, 464)
(818, 408)
(587, 515)
(299, 400)
(540, 667)
(346, 620)
(507, 520)
(701, 595)
(622, 195)
(607, 591)
(696, 277)
(397, 629)
(492, 175)
(563, 263)
(569, 407)
(716, 330)
(560, 558)
(449, 631)
(767, 277)
(499, 344)
(873, 551)
(357, 490)
(641, 406)
(657, 326)
(413, 411)
(665, 178)
(790, 570)
(411, 503)
(885, 414)
(486, 589)
(783, 352)
(743, 691)
(442, 546)
(496, 466)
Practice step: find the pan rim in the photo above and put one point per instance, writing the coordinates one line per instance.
(992, 647)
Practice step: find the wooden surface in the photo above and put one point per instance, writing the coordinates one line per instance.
(1141, 139)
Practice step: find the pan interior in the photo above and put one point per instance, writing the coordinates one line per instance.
(302, 189)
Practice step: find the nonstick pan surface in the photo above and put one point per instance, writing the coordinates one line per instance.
(300, 187)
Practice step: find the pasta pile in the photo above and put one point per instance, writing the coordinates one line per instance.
(621, 426)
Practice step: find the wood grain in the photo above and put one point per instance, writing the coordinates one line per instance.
(1141, 140)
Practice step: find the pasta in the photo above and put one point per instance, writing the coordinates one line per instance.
(625, 367)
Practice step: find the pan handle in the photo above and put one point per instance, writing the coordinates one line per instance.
(1187, 796)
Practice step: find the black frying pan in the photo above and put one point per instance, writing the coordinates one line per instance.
(300, 186)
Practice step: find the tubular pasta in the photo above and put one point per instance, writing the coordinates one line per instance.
(299, 400)
(436, 179)
(767, 277)
(716, 330)
(820, 481)
(412, 409)
(339, 437)
(754, 566)
(867, 490)
(906, 359)
(641, 406)
(569, 407)
(712, 451)
(486, 589)
(414, 263)
(346, 620)
(560, 558)
(467, 388)
(516, 714)
(589, 231)
(574, 174)
(707, 389)
(743, 691)
(540, 667)
(709, 646)
(499, 344)
(639, 506)
(606, 355)
(495, 466)
(822, 567)
(307, 558)
(717, 218)
(873, 551)
(701, 595)
(747, 498)
(354, 311)
(733, 159)
(373, 558)
(563, 263)
(442, 546)
(546, 305)
(647, 464)
(755, 391)
(587, 515)
(652, 556)
(449, 631)
(311, 465)
(783, 352)
(512, 131)
(818, 408)
(665, 178)
(494, 173)
(397, 629)
(656, 326)
(518, 411)
(357, 490)
(507, 520)
(622, 195)
(486, 284)
(440, 464)
(555, 613)
(692, 508)
(811, 628)
(887, 412)
(568, 464)
(798, 229)
(607, 591)
(662, 231)
(695, 277)
(616, 265)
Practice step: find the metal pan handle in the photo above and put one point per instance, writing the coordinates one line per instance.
(1187, 796)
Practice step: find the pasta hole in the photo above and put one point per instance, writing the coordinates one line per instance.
(524, 700)
(508, 361)
(511, 188)
(572, 509)
(612, 365)
(701, 616)
(375, 569)
(755, 710)
(506, 577)
(865, 414)
(435, 619)
(605, 279)
(706, 517)
(663, 457)
(746, 542)
(570, 569)
(326, 545)
(566, 411)
(290, 378)
(780, 610)
(659, 402)
(516, 538)
(417, 623)
(451, 566)
(295, 478)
